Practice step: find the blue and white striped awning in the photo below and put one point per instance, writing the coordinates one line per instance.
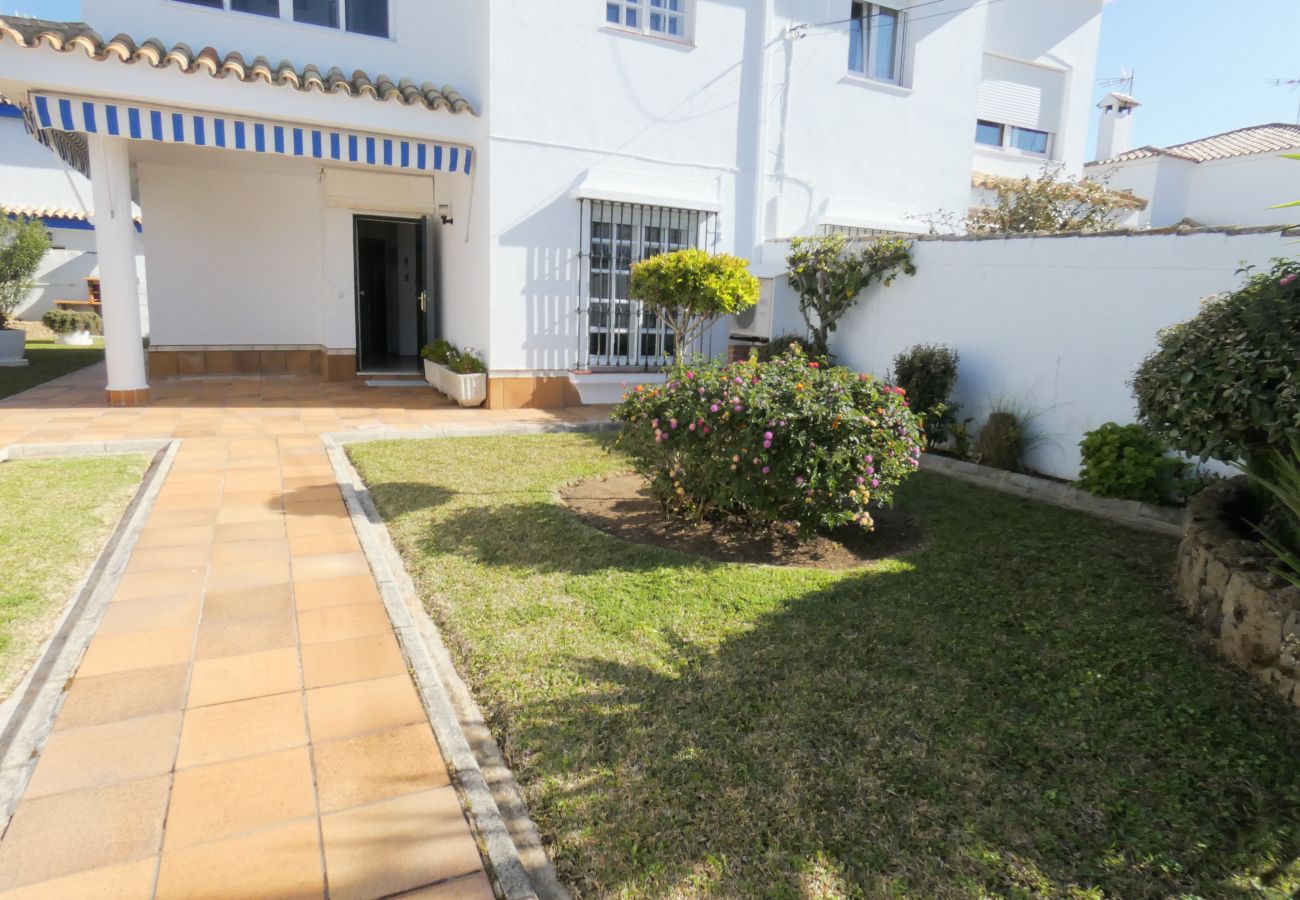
(61, 113)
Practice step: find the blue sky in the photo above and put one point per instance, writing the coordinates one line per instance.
(1203, 66)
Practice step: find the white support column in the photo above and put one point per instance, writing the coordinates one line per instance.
(110, 177)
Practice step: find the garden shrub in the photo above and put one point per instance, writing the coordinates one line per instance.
(780, 345)
(789, 442)
(928, 372)
(1128, 462)
(62, 321)
(1000, 443)
(1226, 383)
(1276, 474)
(23, 243)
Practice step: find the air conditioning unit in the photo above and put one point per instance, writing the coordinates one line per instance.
(756, 322)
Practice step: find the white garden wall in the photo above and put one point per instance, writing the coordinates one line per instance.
(1052, 325)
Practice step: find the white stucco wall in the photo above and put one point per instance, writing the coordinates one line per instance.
(1052, 326)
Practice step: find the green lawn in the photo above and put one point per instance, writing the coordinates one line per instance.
(47, 361)
(1017, 709)
(54, 517)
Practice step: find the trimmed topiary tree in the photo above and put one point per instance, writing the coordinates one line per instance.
(790, 442)
(829, 275)
(691, 289)
(1226, 383)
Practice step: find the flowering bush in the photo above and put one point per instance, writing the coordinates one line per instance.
(789, 441)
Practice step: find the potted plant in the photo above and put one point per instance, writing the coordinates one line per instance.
(466, 379)
(460, 374)
(23, 243)
(436, 356)
(76, 329)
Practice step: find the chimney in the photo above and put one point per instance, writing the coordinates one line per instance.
(1115, 134)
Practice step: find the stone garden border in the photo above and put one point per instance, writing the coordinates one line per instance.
(1144, 516)
(1225, 584)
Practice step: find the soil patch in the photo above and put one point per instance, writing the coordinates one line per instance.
(621, 506)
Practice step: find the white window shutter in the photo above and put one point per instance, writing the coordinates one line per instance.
(1015, 93)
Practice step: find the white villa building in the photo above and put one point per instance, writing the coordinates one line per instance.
(324, 185)
(1234, 178)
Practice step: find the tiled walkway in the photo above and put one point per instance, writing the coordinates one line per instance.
(243, 724)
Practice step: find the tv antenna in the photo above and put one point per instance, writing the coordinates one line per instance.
(1293, 84)
(1122, 83)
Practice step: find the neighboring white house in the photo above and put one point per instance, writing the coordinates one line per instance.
(1227, 179)
(317, 213)
(37, 184)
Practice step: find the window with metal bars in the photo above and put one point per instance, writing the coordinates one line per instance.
(616, 331)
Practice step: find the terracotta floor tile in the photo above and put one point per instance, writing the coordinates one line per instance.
(241, 728)
(383, 848)
(241, 496)
(118, 823)
(319, 509)
(128, 881)
(141, 615)
(212, 802)
(357, 707)
(181, 502)
(242, 677)
(137, 650)
(106, 754)
(324, 544)
(335, 592)
(303, 526)
(235, 637)
(327, 493)
(123, 695)
(151, 537)
(283, 863)
(358, 659)
(268, 601)
(154, 559)
(161, 583)
(182, 518)
(235, 575)
(341, 623)
(249, 531)
(467, 887)
(250, 551)
(334, 565)
(377, 766)
(245, 515)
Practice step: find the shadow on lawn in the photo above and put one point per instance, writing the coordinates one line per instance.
(1002, 719)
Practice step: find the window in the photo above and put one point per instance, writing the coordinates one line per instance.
(617, 330)
(1012, 137)
(876, 41)
(317, 12)
(989, 133)
(1029, 140)
(661, 18)
(355, 16)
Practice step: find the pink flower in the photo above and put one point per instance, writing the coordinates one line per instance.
(798, 480)
(766, 469)
(713, 407)
(1288, 279)
(690, 375)
(875, 482)
(767, 435)
(691, 426)
(767, 445)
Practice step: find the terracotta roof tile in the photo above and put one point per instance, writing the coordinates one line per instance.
(1241, 142)
(69, 36)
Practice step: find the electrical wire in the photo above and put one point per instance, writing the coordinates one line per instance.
(801, 30)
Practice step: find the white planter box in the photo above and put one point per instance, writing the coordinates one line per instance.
(602, 388)
(13, 344)
(467, 390)
(75, 339)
